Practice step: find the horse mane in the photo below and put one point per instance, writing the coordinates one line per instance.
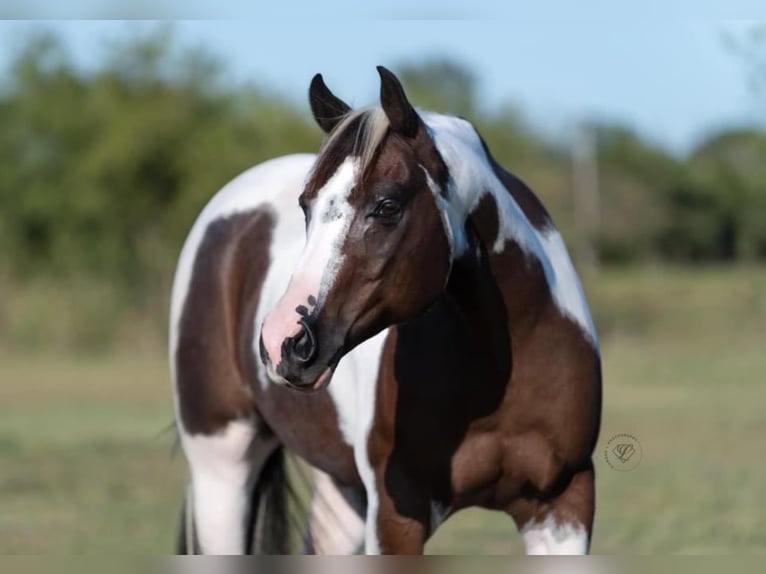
(359, 133)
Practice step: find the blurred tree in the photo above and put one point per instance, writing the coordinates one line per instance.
(103, 171)
(634, 177)
(38, 147)
(730, 173)
(106, 170)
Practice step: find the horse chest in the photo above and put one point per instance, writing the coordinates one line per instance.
(436, 418)
(475, 467)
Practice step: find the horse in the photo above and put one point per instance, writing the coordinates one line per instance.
(399, 312)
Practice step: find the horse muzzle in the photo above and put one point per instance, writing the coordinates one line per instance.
(299, 363)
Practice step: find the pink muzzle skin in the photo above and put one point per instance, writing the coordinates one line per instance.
(284, 320)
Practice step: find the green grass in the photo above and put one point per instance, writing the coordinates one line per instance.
(85, 464)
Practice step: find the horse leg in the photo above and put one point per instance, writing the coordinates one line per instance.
(561, 524)
(219, 492)
(337, 517)
(398, 517)
(186, 541)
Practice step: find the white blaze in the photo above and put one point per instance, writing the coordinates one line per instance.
(319, 263)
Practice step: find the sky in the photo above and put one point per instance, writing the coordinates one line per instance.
(670, 76)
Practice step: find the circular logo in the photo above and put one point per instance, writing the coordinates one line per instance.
(623, 452)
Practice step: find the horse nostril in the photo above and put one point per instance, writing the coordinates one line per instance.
(303, 346)
(262, 349)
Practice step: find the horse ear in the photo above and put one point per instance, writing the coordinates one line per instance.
(327, 108)
(401, 115)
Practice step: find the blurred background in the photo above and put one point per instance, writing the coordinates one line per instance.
(645, 140)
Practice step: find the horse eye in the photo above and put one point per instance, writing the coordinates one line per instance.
(387, 209)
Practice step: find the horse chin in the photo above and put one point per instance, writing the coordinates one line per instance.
(303, 382)
(324, 379)
(320, 383)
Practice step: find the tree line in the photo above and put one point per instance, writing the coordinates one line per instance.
(104, 169)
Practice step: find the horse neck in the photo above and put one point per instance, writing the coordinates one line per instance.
(517, 277)
(493, 239)
(474, 176)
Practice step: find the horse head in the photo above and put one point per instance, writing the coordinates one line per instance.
(378, 249)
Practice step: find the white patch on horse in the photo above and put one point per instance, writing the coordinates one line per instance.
(318, 265)
(331, 218)
(567, 288)
(452, 221)
(549, 538)
(472, 176)
(335, 526)
(220, 486)
(353, 390)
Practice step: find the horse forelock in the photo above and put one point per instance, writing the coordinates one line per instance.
(359, 134)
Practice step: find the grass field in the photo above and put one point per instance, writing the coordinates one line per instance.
(86, 465)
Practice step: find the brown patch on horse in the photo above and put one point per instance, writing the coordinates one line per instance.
(512, 267)
(307, 424)
(457, 368)
(485, 219)
(227, 277)
(439, 372)
(572, 502)
(550, 415)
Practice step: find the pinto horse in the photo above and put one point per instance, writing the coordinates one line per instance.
(416, 333)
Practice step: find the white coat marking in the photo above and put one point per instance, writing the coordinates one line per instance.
(547, 537)
(353, 390)
(335, 526)
(220, 488)
(452, 221)
(471, 177)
